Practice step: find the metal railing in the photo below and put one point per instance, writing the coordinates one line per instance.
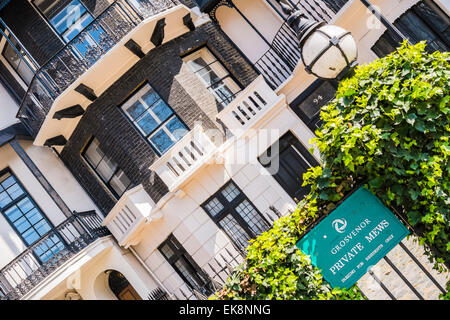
(78, 55)
(283, 55)
(29, 269)
(216, 271)
(158, 294)
(220, 268)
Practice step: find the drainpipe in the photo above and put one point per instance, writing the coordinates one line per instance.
(151, 273)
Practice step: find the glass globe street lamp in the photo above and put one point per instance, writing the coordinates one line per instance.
(328, 51)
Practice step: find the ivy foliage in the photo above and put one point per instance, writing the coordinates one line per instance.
(388, 127)
(276, 269)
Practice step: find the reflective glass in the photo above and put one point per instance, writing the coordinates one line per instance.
(161, 141)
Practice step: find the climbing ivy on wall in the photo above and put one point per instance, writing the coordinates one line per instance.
(389, 128)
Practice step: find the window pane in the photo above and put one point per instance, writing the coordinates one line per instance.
(167, 251)
(15, 191)
(214, 207)
(11, 55)
(155, 119)
(189, 273)
(75, 29)
(4, 199)
(30, 236)
(235, 231)
(161, 141)
(162, 110)
(120, 182)
(94, 154)
(176, 128)
(68, 16)
(25, 72)
(25, 205)
(147, 123)
(230, 192)
(42, 227)
(22, 224)
(135, 110)
(214, 76)
(197, 64)
(254, 220)
(8, 182)
(13, 213)
(150, 97)
(185, 266)
(209, 76)
(34, 216)
(106, 168)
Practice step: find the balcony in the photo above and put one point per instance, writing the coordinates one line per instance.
(29, 269)
(78, 62)
(249, 109)
(283, 55)
(129, 216)
(272, 46)
(178, 165)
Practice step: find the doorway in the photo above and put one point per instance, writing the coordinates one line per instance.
(293, 161)
(120, 286)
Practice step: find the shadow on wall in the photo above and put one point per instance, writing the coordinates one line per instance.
(102, 291)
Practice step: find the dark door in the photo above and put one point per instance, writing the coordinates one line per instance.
(128, 293)
(308, 104)
(293, 161)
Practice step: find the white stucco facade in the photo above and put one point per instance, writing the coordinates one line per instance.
(139, 225)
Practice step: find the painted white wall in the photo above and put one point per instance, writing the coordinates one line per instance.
(85, 274)
(8, 108)
(190, 224)
(366, 30)
(94, 282)
(266, 21)
(58, 176)
(183, 216)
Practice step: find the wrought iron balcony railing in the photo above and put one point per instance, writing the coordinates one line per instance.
(280, 60)
(29, 268)
(78, 55)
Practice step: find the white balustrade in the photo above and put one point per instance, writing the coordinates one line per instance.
(184, 158)
(251, 105)
(128, 217)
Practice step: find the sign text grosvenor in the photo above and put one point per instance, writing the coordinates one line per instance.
(354, 237)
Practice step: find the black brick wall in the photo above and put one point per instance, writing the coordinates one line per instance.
(29, 27)
(189, 3)
(118, 137)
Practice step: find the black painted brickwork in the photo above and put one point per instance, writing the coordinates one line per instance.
(117, 135)
(31, 30)
(30, 27)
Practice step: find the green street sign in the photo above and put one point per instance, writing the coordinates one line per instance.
(354, 237)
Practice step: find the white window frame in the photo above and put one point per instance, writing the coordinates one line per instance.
(217, 67)
(137, 97)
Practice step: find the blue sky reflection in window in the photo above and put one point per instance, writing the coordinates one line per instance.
(26, 218)
(154, 118)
